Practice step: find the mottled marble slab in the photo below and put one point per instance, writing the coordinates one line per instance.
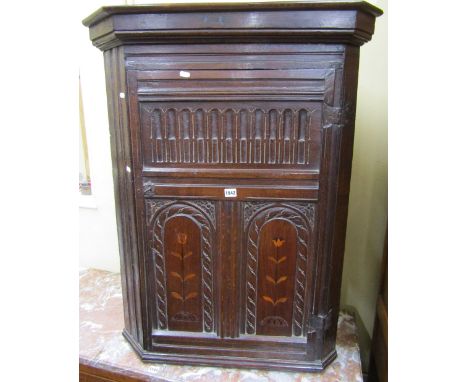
(102, 344)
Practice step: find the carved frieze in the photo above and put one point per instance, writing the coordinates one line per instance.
(231, 135)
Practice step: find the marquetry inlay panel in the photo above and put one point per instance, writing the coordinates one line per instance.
(182, 247)
(278, 242)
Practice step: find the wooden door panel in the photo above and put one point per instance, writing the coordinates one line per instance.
(182, 252)
(225, 269)
(278, 250)
(276, 265)
(182, 247)
(231, 129)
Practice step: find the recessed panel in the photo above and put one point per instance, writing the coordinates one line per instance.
(276, 267)
(183, 263)
(231, 134)
(182, 247)
(276, 248)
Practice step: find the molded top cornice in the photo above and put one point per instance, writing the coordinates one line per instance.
(298, 21)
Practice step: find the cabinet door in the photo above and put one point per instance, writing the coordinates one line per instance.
(239, 124)
(278, 251)
(182, 244)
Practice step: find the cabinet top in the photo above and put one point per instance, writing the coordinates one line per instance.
(291, 21)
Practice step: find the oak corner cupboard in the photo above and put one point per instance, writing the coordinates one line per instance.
(232, 136)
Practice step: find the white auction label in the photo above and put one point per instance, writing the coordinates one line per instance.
(230, 192)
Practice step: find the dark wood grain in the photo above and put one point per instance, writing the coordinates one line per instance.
(90, 373)
(296, 21)
(259, 98)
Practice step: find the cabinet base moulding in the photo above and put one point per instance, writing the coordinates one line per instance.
(229, 360)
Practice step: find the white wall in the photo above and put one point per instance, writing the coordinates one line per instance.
(98, 229)
(367, 215)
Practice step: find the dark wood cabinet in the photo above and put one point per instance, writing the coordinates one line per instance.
(232, 132)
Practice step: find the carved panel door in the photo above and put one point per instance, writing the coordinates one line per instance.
(278, 247)
(223, 266)
(182, 243)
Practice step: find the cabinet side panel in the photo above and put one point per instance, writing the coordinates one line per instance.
(123, 190)
(347, 101)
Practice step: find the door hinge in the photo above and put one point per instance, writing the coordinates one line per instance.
(331, 115)
(320, 322)
(148, 189)
(338, 115)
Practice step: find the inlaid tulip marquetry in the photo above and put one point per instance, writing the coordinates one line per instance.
(183, 292)
(277, 279)
(276, 256)
(182, 253)
(182, 246)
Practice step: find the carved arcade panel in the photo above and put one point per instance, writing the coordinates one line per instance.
(278, 245)
(255, 134)
(182, 246)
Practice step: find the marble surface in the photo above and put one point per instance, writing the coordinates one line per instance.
(102, 343)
